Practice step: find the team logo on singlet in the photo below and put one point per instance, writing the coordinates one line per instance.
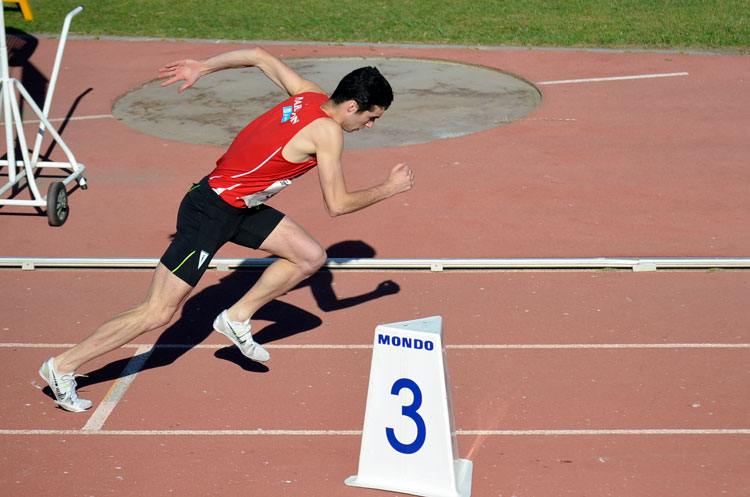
(289, 112)
(286, 114)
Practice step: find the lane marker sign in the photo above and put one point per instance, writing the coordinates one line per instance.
(409, 438)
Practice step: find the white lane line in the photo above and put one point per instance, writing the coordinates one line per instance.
(334, 433)
(105, 408)
(186, 432)
(658, 431)
(550, 346)
(615, 78)
(19, 345)
(60, 119)
(564, 346)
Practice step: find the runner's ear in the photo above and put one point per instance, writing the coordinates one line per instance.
(352, 107)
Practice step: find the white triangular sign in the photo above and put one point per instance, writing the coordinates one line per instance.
(408, 440)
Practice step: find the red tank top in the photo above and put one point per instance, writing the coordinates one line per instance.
(253, 169)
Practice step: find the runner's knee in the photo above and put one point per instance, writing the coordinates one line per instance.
(313, 259)
(155, 316)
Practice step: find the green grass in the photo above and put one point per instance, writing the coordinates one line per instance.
(654, 24)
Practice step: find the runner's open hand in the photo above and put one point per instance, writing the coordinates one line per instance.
(188, 70)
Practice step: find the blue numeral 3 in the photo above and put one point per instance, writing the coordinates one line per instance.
(410, 412)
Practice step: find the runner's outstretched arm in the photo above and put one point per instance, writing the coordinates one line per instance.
(190, 70)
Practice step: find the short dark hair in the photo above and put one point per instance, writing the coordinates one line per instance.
(367, 87)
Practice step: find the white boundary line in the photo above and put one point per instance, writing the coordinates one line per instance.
(105, 408)
(336, 433)
(136, 363)
(658, 431)
(60, 119)
(615, 78)
(565, 346)
(544, 346)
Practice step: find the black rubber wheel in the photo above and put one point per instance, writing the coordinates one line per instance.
(57, 204)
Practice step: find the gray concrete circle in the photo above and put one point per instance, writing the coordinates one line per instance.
(433, 100)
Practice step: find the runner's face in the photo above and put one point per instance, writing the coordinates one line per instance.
(359, 120)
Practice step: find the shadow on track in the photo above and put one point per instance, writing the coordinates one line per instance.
(195, 323)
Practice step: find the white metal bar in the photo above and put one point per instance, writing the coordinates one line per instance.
(53, 81)
(13, 122)
(53, 164)
(6, 94)
(8, 118)
(420, 264)
(22, 143)
(24, 203)
(71, 159)
(696, 262)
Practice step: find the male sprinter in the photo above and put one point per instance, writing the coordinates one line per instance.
(228, 205)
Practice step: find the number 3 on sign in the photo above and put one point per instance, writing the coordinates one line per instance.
(410, 412)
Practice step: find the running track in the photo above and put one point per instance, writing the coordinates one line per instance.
(564, 382)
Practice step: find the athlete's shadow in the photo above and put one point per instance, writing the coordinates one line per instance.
(198, 313)
(321, 284)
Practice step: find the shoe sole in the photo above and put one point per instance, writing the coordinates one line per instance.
(70, 408)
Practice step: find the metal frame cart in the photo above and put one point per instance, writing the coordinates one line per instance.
(56, 200)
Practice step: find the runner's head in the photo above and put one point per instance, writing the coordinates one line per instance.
(367, 87)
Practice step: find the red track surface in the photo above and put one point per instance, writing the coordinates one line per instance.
(652, 167)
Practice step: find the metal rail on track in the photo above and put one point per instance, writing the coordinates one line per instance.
(443, 264)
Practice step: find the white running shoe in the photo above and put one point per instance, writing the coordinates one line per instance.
(239, 334)
(64, 388)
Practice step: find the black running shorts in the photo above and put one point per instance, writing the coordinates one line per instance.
(205, 223)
